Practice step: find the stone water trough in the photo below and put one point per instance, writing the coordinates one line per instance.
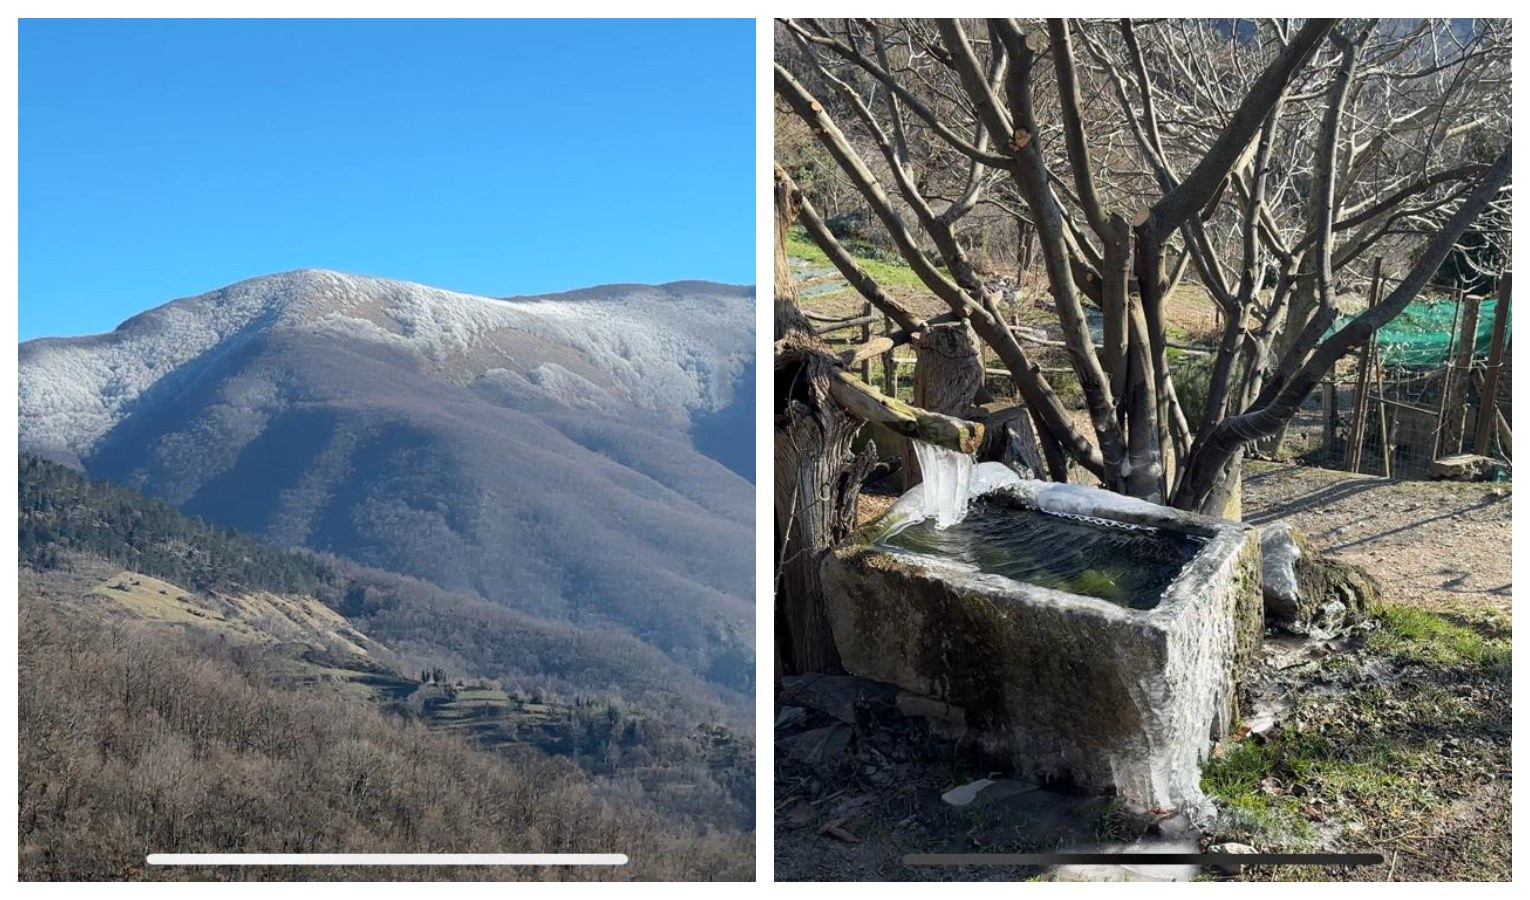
(1094, 680)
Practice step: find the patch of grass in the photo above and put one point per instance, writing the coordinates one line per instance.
(1384, 738)
(888, 273)
(1238, 781)
(1276, 787)
(1416, 636)
(150, 598)
(482, 695)
(1117, 824)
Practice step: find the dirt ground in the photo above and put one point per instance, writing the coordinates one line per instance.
(1393, 739)
(1437, 544)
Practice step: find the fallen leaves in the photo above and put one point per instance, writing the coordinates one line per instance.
(833, 829)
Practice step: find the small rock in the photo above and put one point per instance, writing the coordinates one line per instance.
(1230, 848)
(1002, 790)
(963, 796)
(1260, 725)
(1461, 467)
(1177, 827)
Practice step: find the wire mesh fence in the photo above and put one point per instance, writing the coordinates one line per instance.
(1436, 386)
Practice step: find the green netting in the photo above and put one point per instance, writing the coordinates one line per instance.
(1419, 338)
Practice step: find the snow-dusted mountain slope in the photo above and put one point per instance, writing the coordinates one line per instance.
(677, 348)
(585, 458)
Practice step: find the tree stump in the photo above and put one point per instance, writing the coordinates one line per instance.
(948, 373)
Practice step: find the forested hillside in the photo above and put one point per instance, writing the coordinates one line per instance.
(496, 680)
(136, 741)
(62, 510)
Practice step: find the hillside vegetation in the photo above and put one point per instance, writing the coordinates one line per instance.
(141, 741)
(458, 664)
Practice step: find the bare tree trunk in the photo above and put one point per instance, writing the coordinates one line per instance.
(1226, 498)
(817, 478)
(1010, 438)
(817, 489)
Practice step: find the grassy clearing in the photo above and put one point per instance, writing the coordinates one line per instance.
(311, 643)
(482, 696)
(1415, 636)
(257, 616)
(888, 273)
(154, 600)
(1379, 744)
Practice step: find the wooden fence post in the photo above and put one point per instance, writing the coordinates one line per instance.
(1362, 381)
(1382, 431)
(866, 339)
(1487, 407)
(1452, 425)
(1328, 416)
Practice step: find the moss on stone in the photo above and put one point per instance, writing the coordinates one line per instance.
(1323, 579)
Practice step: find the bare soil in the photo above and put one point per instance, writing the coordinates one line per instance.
(1440, 545)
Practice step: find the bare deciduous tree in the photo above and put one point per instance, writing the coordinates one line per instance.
(1265, 157)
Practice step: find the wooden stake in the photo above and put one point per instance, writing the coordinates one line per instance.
(1357, 431)
(1328, 404)
(1381, 419)
(867, 319)
(1452, 425)
(1486, 407)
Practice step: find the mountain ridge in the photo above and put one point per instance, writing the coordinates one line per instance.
(82, 385)
(582, 459)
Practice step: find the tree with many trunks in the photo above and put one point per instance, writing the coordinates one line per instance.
(1262, 158)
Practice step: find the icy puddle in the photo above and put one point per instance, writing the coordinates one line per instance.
(1125, 564)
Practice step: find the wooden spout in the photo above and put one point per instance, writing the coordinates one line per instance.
(866, 402)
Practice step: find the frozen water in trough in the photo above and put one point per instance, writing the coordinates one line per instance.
(947, 483)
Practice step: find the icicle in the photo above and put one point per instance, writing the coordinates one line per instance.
(947, 482)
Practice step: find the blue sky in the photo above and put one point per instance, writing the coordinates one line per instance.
(164, 159)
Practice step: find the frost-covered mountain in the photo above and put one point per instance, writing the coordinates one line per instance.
(676, 348)
(584, 457)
